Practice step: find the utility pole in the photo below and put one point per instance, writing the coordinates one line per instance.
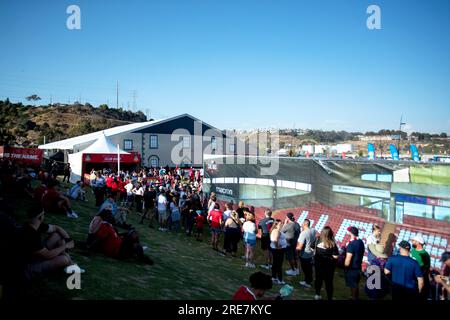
(117, 96)
(400, 134)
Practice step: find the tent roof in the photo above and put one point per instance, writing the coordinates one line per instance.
(103, 145)
(69, 144)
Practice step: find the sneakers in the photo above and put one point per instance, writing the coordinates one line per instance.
(291, 272)
(317, 297)
(304, 284)
(277, 281)
(73, 268)
(265, 266)
(250, 265)
(72, 215)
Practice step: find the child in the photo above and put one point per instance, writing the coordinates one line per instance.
(199, 223)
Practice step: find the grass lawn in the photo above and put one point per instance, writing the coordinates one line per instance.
(184, 268)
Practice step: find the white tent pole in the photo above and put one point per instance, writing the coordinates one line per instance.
(118, 159)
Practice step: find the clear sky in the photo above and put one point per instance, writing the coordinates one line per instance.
(238, 64)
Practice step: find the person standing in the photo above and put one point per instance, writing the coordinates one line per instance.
(291, 229)
(373, 239)
(215, 218)
(405, 273)
(162, 210)
(278, 246)
(305, 245)
(325, 260)
(265, 225)
(149, 205)
(175, 214)
(249, 229)
(422, 257)
(353, 262)
(232, 230)
(67, 171)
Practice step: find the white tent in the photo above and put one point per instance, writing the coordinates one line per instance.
(101, 146)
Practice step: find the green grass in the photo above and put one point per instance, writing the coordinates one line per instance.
(183, 269)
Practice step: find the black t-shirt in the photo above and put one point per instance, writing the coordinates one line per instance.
(150, 198)
(240, 212)
(326, 254)
(265, 225)
(356, 247)
(30, 241)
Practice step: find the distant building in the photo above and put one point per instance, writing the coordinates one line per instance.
(184, 136)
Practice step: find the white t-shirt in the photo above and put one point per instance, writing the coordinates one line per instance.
(249, 226)
(129, 187)
(140, 191)
(162, 202)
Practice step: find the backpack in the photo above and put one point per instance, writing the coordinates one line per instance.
(297, 230)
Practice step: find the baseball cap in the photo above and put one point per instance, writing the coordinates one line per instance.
(290, 215)
(419, 239)
(353, 230)
(405, 245)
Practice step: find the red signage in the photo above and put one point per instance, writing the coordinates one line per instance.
(22, 155)
(134, 157)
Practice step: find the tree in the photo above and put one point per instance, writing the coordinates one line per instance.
(443, 135)
(33, 97)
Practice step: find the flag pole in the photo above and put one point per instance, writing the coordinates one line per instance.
(118, 159)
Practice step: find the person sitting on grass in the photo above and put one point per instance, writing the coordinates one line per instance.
(77, 192)
(104, 238)
(259, 284)
(43, 257)
(119, 213)
(54, 202)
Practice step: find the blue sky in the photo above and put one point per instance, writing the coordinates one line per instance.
(238, 64)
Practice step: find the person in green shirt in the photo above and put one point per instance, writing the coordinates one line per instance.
(422, 257)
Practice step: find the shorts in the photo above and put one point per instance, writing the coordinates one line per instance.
(250, 242)
(216, 230)
(265, 241)
(352, 278)
(163, 215)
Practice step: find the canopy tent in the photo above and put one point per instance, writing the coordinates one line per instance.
(101, 151)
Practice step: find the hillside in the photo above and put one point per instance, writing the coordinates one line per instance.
(28, 125)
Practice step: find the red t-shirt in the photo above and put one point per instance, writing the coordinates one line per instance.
(245, 294)
(200, 221)
(215, 217)
(109, 181)
(50, 199)
(110, 241)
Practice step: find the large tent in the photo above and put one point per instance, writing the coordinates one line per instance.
(102, 151)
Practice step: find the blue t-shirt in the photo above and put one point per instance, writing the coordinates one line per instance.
(357, 249)
(404, 271)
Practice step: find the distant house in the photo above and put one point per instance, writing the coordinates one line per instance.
(180, 140)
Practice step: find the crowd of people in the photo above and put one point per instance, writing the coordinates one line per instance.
(173, 200)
